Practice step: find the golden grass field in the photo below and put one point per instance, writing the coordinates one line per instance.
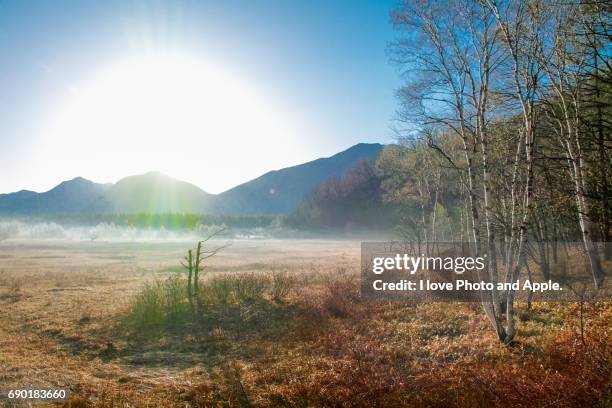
(65, 312)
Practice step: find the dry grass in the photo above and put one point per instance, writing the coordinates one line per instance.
(284, 328)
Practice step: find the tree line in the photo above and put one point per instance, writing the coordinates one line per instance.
(505, 110)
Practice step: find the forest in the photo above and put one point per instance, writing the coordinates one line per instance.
(505, 137)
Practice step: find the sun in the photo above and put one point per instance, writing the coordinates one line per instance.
(184, 117)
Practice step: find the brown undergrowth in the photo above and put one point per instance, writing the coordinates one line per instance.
(333, 350)
(283, 335)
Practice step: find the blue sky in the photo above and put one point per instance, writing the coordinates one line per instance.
(320, 66)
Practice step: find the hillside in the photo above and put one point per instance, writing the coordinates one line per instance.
(283, 190)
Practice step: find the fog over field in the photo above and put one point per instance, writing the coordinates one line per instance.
(19, 230)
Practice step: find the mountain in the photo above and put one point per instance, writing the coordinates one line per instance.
(155, 192)
(282, 190)
(275, 192)
(72, 196)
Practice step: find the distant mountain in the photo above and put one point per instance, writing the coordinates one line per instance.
(273, 193)
(281, 191)
(72, 196)
(151, 192)
(155, 192)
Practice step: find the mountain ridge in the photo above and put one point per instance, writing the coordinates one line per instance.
(277, 191)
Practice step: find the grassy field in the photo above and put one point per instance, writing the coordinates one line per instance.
(277, 323)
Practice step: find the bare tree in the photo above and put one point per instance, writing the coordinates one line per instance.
(451, 54)
(520, 25)
(194, 264)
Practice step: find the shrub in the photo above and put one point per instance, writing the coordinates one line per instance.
(234, 289)
(341, 293)
(250, 287)
(147, 310)
(175, 307)
(159, 304)
(282, 283)
(218, 290)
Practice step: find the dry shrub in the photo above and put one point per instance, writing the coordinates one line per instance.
(586, 369)
(565, 375)
(250, 287)
(282, 284)
(175, 305)
(234, 289)
(343, 370)
(337, 295)
(361, 363)
(147, 311)
(364, 372)
(158, 304)
(218, 290)
(341, 294)
(341, 352)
